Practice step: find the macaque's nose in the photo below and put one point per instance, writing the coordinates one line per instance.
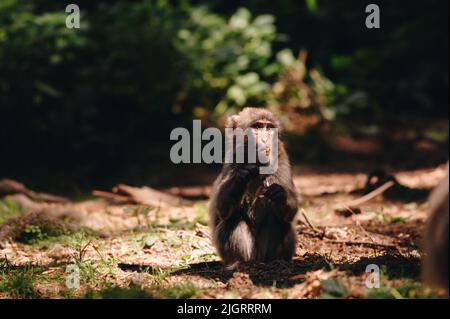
(266, 134)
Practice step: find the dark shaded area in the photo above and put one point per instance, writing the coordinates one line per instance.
(287, 274)
(392, 266)
(414, 229)
(397, 192)
(403, 66)
(82, 109)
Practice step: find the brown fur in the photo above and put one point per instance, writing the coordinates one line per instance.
(248, 224)
(436, 267)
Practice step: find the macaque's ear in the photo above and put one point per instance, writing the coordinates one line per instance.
(280, 129)
(232, 121)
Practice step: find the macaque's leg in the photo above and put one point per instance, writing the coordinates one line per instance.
(234, 241)
(275, 240)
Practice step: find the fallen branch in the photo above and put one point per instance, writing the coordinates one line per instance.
(12, 187)
(143, 196)
(380, 190)
(113, 196)
(191, 192)
(149, 196)
(359, 243)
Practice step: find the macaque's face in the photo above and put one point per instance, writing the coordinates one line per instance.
(263, 131)
(255, 138)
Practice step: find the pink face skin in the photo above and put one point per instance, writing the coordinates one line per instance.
(264, 127)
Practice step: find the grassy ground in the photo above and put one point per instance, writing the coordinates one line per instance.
(124, 251)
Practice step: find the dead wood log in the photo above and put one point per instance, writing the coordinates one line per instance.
(143, 195)
(11, 187)
(112, 196)
(190, 192)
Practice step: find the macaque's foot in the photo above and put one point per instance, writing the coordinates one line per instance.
(232, 266)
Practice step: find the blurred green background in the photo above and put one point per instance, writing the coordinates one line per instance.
(91, 105)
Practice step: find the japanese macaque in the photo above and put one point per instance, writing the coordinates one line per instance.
(252, 213)
(435, 264)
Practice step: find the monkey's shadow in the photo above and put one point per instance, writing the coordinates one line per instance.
(284, 274)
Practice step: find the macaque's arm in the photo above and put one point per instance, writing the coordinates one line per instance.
(230, 189)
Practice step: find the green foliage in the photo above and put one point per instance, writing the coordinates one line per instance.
(389, 219)
(400, 69)
(31, 233)
(160, 275)
(201, 213)
(229, 59)
(76, 240)
(183, 290)
(234, 64)
(18, 283)
(404, 290)
(127, 60)
(8, 209)
(333, 289)
(436, 134)
(35, 234)
(115, 292)
(135, 69)
(137, 211)
(119, 70)
(299, 88)
(312, 5)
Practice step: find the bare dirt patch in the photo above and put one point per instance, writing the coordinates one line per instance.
(167, 253)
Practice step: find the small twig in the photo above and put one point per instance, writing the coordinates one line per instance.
(359, 224)
(98, 253)
(309, 224)
(83, 251)
(360, 243)
(365, 231)
(380, 190)
(311, 233)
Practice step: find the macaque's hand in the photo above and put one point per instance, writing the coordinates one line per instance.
(245, 173)
(276, 193)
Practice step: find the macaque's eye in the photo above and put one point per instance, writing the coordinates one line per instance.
(262, 125)
(257, 125)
